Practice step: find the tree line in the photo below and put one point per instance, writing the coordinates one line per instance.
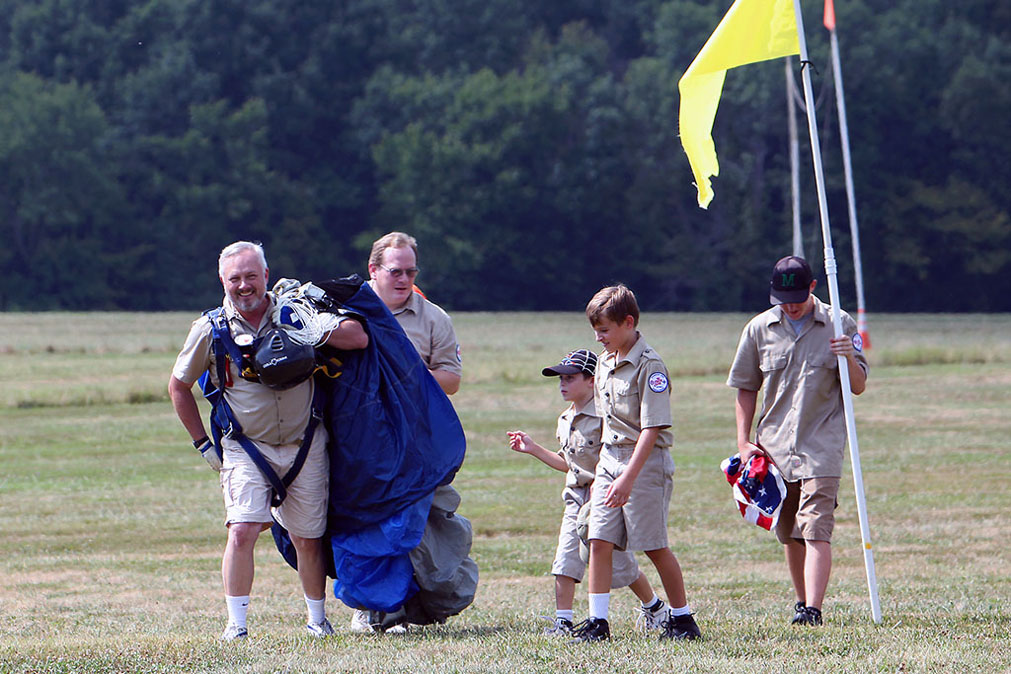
(530, 147)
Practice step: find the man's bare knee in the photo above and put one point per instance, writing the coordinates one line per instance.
(243, 534)
(305, 543)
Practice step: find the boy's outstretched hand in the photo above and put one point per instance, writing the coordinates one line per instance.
(524, 444)
(520, 442)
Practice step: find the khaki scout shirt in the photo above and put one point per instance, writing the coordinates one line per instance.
(632, 394)
(802, 424)
(430, 329)
(268, 416)
(579, 440)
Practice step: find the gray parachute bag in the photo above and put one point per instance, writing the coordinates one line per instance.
(442, 565)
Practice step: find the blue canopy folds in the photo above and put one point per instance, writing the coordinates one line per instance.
(394, 438)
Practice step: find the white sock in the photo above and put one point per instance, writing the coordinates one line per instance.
(652, 602)
(317, 609)
(599, 604)
(564, 614)
(237, 607)
(684, 610)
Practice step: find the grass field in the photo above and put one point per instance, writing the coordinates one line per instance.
(111, 523)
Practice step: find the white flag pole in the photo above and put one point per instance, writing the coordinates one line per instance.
(833, 290)
(791, 118)
(850, 198)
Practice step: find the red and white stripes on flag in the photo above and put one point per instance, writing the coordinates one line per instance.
(759, 489)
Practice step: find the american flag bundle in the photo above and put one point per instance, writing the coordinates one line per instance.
(758, 489)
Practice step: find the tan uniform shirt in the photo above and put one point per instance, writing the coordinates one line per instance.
(578, 436)
(802, 424)
(430, 329)
(272, 417)
(633, 393)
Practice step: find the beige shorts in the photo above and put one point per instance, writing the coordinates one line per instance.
(568, 560)
(808, 511)
(640, 524)
(247, 492)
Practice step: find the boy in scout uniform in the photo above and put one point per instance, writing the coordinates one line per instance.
(791, 350)
(632, 486)
(578, 434)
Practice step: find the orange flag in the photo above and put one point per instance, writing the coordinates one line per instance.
(829, 15)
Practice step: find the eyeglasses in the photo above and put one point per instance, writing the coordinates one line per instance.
(398, 273)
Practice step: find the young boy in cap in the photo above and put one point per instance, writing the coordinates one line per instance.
(632, 486)
(791, 350)
(578, 433)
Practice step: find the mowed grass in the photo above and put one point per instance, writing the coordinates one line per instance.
(112, 534)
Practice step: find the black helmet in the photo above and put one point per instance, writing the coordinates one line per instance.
(281, 362)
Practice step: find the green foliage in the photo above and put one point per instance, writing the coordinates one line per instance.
(962, 221)
(57, 196)
(531, 145)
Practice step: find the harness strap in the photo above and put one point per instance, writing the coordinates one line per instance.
(223, 337)
(224, 423)
(279, 484)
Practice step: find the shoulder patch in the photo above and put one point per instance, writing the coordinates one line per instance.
(658, 382)
(858, 342)
(459, 356)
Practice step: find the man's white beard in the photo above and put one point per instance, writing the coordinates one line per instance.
(249, 303)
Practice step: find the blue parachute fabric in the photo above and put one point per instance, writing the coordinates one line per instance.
(373, 567)
(394, 438)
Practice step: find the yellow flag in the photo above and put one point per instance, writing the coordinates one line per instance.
(752, 30)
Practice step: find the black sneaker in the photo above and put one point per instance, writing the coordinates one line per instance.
(591, 629)
(392, 623)
(680, 628)
(799, 613)
(812, 617)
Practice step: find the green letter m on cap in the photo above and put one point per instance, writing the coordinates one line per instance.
(789, 280)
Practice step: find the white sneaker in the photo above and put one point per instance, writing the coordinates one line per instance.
(234, 632)
(360, 622)
(652, 620)
(399, 628)
(559, 626)
(320, 629)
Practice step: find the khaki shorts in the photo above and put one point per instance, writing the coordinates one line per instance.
(568, 560)
(640, 524)
(808, 510)
(247, 492)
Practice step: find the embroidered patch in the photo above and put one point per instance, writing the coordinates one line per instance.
(459, 357)
(658, 382)
(858, 342)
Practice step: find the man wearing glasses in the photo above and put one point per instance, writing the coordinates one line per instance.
(393, 266)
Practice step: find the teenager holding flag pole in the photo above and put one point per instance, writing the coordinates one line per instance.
(790, 351)
(751, 31)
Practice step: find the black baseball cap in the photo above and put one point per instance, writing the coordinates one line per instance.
(580, 360)
(791, 281)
